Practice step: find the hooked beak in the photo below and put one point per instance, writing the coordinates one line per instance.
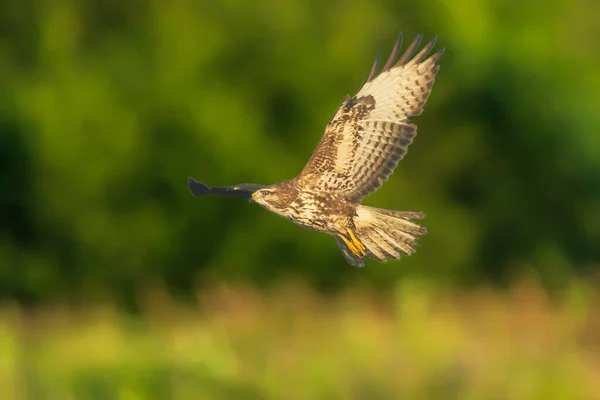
(253, 198)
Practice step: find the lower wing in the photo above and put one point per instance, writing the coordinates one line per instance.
(241, 191)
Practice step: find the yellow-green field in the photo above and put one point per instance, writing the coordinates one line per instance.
(237, 343)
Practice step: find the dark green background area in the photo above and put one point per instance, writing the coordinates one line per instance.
(107, 107)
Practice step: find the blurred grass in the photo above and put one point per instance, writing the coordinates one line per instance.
(291, 343)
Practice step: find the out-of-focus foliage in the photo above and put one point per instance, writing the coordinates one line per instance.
(291, 344)
(106, 107)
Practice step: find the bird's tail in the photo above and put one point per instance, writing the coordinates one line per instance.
(383, 234)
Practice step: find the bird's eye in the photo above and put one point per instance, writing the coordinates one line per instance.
(265, 193)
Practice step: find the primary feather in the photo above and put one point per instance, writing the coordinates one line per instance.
(370, 132)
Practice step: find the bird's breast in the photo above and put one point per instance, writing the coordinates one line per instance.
(318, 211)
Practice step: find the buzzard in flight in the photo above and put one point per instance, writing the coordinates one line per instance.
(362, 145)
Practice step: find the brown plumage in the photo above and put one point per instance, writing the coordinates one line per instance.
(362, 145)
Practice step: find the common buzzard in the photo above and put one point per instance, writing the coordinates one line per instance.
(362, 145)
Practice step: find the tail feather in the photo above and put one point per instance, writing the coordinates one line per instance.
(385, 243)
(385, 234)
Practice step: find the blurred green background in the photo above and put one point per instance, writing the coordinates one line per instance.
(107, 107)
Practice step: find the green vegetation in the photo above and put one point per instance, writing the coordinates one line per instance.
(106, 108)
(293, 344)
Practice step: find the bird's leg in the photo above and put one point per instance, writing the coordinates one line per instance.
(354, 244)
(357, 243)
(350, 245)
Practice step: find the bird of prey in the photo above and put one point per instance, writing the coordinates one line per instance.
(362, 145)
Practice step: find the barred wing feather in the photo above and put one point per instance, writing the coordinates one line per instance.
(370, 132)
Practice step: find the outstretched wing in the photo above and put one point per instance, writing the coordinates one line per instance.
(241, 191)
(370, 132)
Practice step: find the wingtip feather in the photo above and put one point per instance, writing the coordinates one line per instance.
(394, 54)
(373, 67)
(437, 55)
(410, 51)
(424, 51)
(197, 188)
(406, 58)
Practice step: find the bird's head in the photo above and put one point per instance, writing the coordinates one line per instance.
(268, 197)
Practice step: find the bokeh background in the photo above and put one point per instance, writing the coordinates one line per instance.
(115, 283)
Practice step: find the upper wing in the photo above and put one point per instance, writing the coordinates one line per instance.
(370, 132)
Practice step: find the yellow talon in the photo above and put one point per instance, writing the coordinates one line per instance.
(350, 245)
(354, 245)
(357, 243)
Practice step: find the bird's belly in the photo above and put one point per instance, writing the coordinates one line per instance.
(321, 219)
(319, 224)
